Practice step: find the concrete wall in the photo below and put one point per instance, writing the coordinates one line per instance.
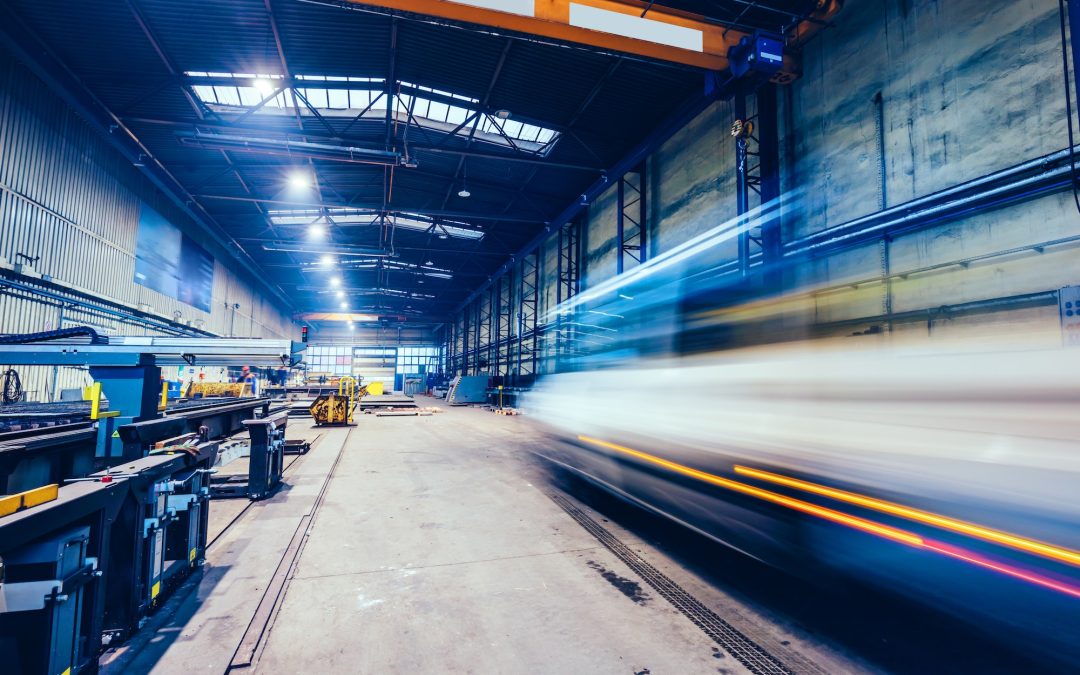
(966, 88)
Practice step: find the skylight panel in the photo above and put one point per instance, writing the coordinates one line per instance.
(205, 93)
(316, 97)
(457, 230)
(431, 108)
(512, 128)
(249, 96)
(337, 99)
(460, 233)
(438, 111)
(456, 115)
(227, 95)
(359, 99)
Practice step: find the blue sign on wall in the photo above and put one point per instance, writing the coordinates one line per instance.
(172, 263)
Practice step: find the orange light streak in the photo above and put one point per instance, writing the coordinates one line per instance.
(944, 522)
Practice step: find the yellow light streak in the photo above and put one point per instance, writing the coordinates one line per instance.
(796, 504)
(944, 522)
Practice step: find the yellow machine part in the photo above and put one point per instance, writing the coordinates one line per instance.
(332, 409)
(374, 388)
(208, 389)
(24, 500)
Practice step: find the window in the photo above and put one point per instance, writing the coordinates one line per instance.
(333, 359)
(418, 360)
(349, 96)
(373, 363)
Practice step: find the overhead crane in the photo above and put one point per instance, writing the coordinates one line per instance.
(643, 29)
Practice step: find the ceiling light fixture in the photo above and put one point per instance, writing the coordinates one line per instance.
(327, 260)
(299, 180)
(335, 281)
(316, 231)
(502, 114)
(341, 294)
(428, 263)
(344, 305)
(464, 191)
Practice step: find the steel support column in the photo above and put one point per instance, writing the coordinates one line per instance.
(757, 178)
(768, 153)
(474, 348)
(631, 217)
(742, 175)
(506, 323)
(568, 283)
(483, 333)
(569, 262)
(528, 291)
(465, 340)
(494, 354)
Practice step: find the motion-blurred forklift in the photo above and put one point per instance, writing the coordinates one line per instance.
(338, 409)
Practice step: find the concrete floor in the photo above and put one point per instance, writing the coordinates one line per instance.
(430, 545)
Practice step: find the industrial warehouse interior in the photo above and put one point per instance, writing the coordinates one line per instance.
(539, 336)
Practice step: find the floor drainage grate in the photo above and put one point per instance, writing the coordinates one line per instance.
(745, 650)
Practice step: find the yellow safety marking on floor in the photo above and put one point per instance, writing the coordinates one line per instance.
(155, 589)
(944, 522)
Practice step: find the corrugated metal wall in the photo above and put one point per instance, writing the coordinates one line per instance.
(69, 200)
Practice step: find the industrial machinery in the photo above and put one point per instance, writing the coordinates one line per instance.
(105, 502)
(339, 408)
(466, 389)
(266, 452)
(215, 389)
(81, 569)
